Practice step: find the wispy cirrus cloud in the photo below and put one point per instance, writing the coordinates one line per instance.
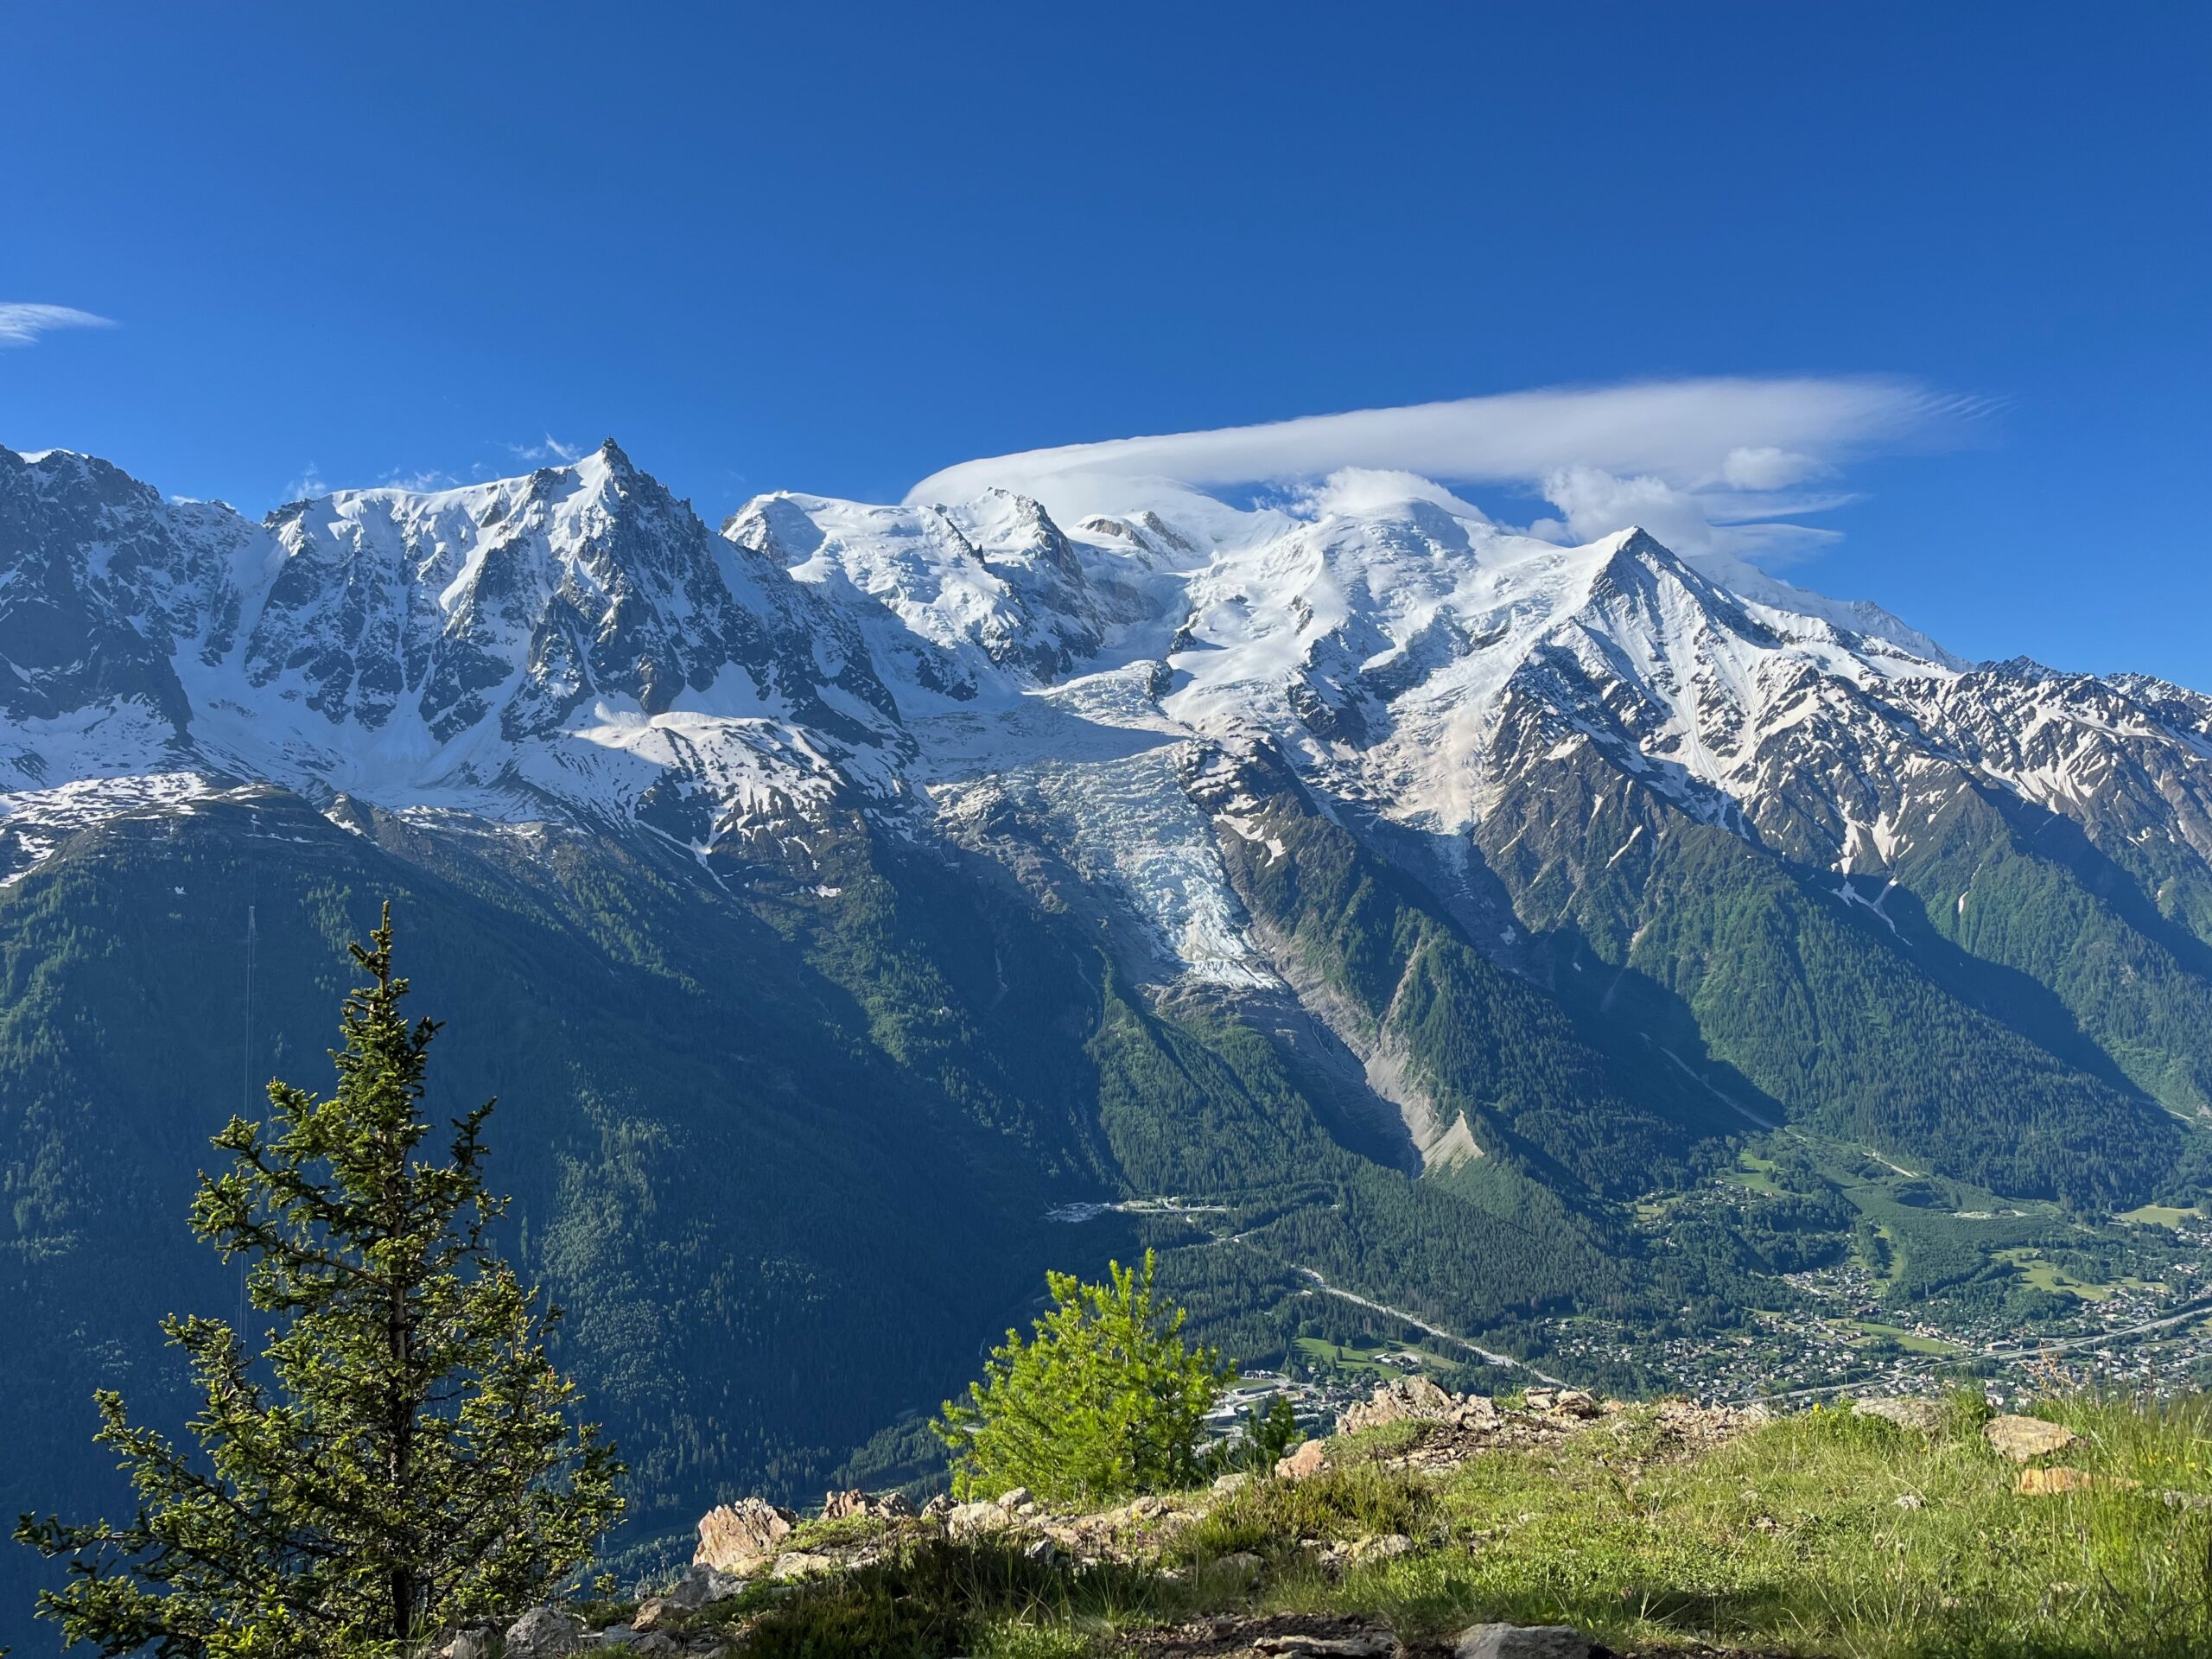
(22, 322)
(1709, 465)
(549, 449)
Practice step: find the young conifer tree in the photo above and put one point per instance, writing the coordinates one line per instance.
(400, 1457)
(1107, 1398)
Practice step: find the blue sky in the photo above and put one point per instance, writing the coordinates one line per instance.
(840, 248)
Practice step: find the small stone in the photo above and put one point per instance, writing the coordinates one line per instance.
(1232, 1482)
(798, 1563)
(653, 1642)
(1388, 1547)
(2022, 1438)
(1523, 1641)
(1304, 1463)
(2049, 1483)
(544, 1633)
(1366, 1645)
(1911, 1501)
(1044, 1552)
(1014, 1498)
(1915, 1416)
(467, 1644)
(651, 1612)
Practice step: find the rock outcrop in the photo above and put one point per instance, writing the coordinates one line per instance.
(739, 1537)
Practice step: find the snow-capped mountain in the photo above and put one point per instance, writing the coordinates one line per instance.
(575, 644)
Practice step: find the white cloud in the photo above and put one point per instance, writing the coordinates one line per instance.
(550, 448)
(22, 323)
(418, 483)
(1703, 464)
(307, 486)
(1766, 467)
(1352, 490)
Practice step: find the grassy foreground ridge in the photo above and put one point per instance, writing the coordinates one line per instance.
(1831, 1532)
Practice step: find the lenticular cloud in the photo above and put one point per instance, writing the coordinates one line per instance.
(1717, 459)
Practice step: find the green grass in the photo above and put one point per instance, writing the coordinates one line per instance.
(1362, 1354)
(1789, 1541)
(2047, 1275)
(2155, 1215)
(1911, 1341)
(1753, 1173)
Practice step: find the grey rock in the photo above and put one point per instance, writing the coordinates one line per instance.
(544, 1633)
(973, 1520)
(1523, 1641)
(698, 1586)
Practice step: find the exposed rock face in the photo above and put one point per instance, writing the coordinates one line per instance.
(1303, 1463)
(884, 1506)
(1395, 1401)
(738, 1537)
(2023, 1438)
